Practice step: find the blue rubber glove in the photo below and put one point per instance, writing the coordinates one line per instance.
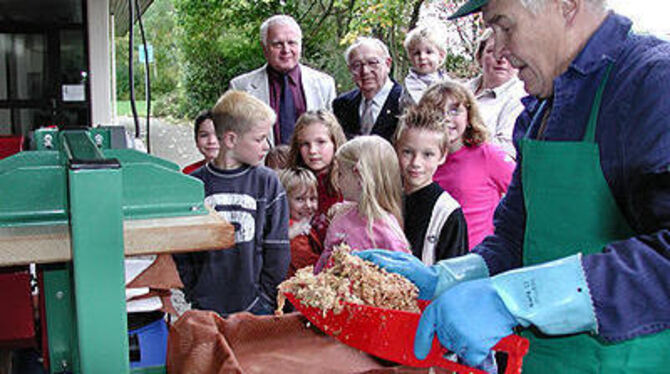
(431, 280)
(469, 320)
(472, 317)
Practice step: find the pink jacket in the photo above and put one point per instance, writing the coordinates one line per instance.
(350, 228)
(477, 177)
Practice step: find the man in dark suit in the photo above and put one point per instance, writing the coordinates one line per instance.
(372, 108)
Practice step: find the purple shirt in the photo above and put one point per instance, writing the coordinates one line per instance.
(275, 79)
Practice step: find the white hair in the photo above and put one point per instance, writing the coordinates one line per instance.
(278, 19)
(534, 6)
(366, 40)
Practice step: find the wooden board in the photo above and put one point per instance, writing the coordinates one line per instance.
(47, 244)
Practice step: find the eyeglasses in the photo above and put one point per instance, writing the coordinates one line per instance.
(357, 66)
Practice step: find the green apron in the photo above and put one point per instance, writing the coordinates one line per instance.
(569, 209)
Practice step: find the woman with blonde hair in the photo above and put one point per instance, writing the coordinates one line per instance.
(371, 216)
(476, 173)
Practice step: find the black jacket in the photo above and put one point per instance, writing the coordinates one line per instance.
(346, 107)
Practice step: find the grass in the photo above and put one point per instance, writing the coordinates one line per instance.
(123, 107)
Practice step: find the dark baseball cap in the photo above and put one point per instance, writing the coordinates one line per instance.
(470, 7)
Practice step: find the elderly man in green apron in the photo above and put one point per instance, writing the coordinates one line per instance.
(580, 259)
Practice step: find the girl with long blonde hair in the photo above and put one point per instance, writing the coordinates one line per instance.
(371, 216)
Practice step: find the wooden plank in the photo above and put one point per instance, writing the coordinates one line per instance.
(177, 234)
(47, 244)
(38, 244)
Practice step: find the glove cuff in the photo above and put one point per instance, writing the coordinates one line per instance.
(553, 296)
(458, 269)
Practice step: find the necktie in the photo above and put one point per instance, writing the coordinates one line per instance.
(286, 111)
(367, 120)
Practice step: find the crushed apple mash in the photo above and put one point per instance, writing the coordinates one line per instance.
(349, 279)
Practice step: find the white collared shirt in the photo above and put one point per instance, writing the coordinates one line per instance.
(377, 101)
(499, 108)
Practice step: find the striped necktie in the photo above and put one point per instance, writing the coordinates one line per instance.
(367, 120)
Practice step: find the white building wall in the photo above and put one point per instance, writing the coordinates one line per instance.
(99, 59)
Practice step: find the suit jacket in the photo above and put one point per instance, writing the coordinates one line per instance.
(346, 107)
(318, 87)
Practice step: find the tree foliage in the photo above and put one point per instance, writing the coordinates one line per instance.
(211, 52)
(159, 27)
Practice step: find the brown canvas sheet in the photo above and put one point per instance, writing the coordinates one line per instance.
(203, 342)
(162, 274)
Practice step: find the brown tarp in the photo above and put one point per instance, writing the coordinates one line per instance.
(160, 277)
(203, 342)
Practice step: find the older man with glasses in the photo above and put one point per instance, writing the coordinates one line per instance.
(373, 107)
(287, 86)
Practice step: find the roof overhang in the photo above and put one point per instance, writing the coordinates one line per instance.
(22, 14)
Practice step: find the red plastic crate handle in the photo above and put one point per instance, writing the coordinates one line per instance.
(515, 346)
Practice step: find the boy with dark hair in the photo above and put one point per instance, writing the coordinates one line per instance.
(205, 140)
(250, 196)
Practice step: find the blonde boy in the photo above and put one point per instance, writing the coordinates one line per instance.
(248, 195)
(434, 222)
(426, 47)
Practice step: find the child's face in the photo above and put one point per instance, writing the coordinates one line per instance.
(425, 57)
(349, 182)
(206, 140)
(250, 147)
(303, 203)
(419, 155)
(316, 147)
(457, 116)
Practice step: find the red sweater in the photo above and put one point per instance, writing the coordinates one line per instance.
(326, 200)
(193, 167)
(305, 250)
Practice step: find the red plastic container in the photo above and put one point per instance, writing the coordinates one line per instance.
(389, 334)
(10, 145)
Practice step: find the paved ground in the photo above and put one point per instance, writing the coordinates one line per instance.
(171, 141)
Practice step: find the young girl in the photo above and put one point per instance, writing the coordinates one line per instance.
(426, 48)
(369, 179)
(300, 185)
(476, 173)
(205, 140)
(316, 138)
